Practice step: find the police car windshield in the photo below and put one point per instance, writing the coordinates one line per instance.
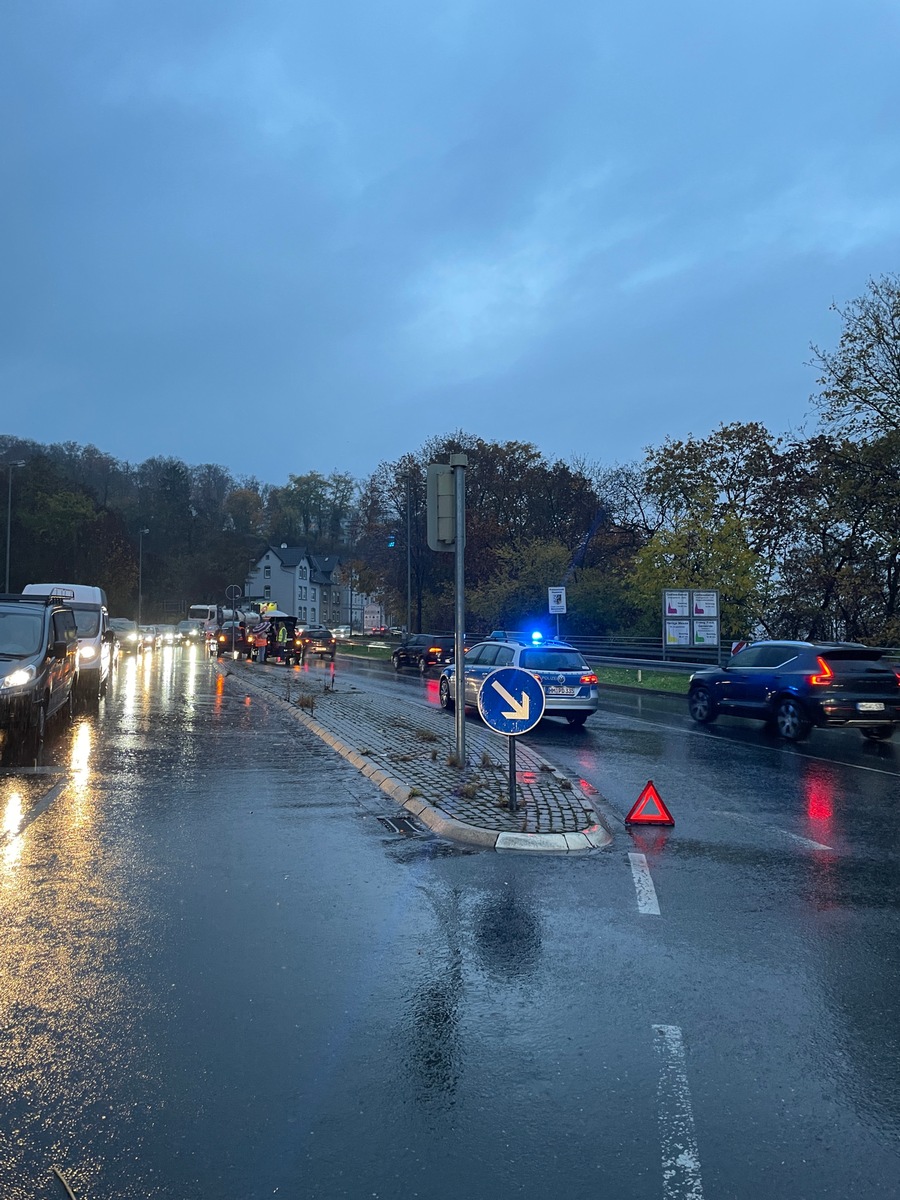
(547, 659)
(87, 620)
(20, 634)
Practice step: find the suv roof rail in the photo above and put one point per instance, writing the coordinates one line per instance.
(18, 598)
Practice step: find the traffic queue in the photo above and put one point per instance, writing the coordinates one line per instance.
(274, 637)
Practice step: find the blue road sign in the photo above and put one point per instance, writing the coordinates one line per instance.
(511, 701)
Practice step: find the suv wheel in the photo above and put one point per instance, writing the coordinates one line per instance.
(423, 665)
(577, 718)
(395, 660)
(444, 693)
(701, 705)
(790, 720)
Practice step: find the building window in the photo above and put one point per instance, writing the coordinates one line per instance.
(267, 572)
(303, 593)
(312, 616)
(303, 574)
(267, 593)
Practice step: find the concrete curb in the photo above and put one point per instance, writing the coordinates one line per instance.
(594, 837)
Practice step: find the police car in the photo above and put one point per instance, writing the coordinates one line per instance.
(570, 686)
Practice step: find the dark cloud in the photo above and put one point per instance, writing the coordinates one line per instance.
(587, 228)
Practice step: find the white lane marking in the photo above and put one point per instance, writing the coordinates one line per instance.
(787, 833)
(680, 1154)
(33, 813)
(804, 841)
(643, 885)
(796, 751)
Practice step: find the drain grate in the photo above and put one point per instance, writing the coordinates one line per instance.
(400, 825)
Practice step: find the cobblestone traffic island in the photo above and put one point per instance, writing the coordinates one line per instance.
(408, 750)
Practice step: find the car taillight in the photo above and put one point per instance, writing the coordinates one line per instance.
(826, 676)
(589, 678)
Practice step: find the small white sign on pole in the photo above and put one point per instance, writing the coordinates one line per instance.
(557, 599)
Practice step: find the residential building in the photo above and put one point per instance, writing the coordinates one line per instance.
(310, 587)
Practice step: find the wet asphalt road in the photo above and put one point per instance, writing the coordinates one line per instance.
(222, 976)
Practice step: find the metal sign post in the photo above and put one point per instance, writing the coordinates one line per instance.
(446, 513)
(458, 464)
(511, 701)
(233, 593)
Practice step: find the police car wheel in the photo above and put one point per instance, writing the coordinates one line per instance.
(576, 718)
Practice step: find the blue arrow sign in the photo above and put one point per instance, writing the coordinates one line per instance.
(511, 701)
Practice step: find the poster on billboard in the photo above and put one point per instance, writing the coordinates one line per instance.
(704, 604)
(676, 603)
(678, 633)
(706, 632)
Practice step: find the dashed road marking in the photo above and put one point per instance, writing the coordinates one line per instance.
(680, 1153)
(643, 884)
(795, 837)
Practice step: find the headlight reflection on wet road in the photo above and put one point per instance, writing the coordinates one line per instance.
(12, 823)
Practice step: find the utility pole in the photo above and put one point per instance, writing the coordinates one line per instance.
(9, 466)
(408, 560)
(141, 533)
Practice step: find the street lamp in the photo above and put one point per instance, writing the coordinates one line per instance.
(141, 533)
(19, 463)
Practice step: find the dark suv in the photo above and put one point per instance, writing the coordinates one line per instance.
(38, 666)
(424, 650)
(793, 686)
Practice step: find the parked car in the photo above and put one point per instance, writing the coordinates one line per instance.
(423, 650)
(316, 639)
(793, 686)
(127, 635)
(38, 666)
(570, 686)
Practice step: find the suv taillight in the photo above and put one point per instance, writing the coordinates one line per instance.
(826, 675)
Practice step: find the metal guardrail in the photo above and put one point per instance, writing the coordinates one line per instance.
(647, 653)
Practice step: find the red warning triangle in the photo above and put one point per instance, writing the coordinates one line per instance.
(649, 809)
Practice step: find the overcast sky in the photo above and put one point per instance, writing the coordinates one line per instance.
(293, 236)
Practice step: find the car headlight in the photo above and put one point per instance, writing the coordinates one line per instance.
(132, 637)
(18, 678)
(86, 651)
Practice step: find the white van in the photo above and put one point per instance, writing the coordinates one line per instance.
(95, 638)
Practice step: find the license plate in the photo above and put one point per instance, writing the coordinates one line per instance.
(561, 691)
(870, 706)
